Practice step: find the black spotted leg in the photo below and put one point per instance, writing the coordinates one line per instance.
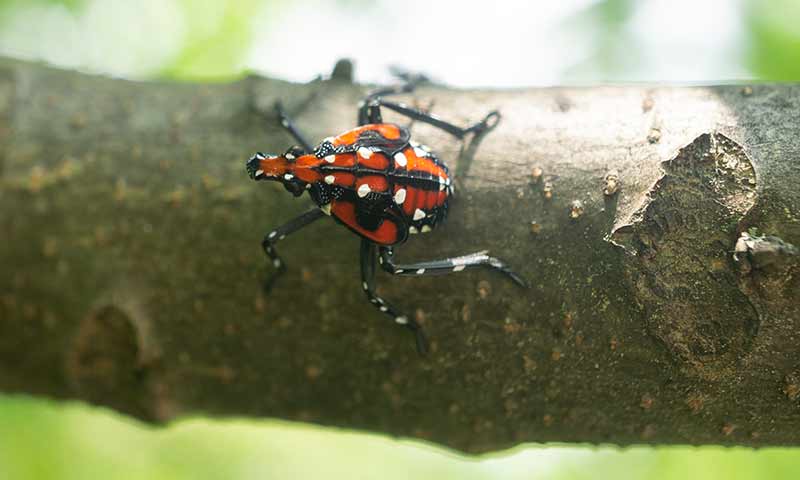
(273, 237)
(448, 265)
(368, 256)
(288, 124)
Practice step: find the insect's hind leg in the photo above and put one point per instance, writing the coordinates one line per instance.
(273, 237)
(366, 114)
(448, 265)
(368, 255)
(372, 113)
(288, 124)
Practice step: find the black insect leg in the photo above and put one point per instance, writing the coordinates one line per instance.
(411, 82)
(273, 237)
(371, 111)
(368, 255)
(425, 110)
(448, 265)
(288, 124)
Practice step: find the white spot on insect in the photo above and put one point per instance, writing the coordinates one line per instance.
(272, 234)
(364, 285)
(413, 230)
(281, 237)
(285, 123)
(374, 300)
(330, 179)
(441, 184)
(308, 186)
(420, 271)
(420, 152)
(458, 268)
(259, 173)
(288, 176)
(401, 320)
(330, 158)
(277, 262)
(380, 260)
(400, 159)
(384, 308)
(400, 196)
(362, 104)
(259, 156)
(419, 214)
(289, 156)
(363, 190)
(425, 229)
(326, 209)
(399, 270)
(364, 152)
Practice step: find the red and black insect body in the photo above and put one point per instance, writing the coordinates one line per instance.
(382, 186)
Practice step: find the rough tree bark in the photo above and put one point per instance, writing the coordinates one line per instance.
(665, 309)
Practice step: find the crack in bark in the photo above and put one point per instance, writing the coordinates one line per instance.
(678, 264)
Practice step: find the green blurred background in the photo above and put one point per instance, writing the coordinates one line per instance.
(507, 43)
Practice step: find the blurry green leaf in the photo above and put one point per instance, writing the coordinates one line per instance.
(43, 440)
(774, 39)
(611, 52)
(69, 4)
(219, 34)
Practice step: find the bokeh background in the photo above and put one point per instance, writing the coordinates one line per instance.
(497, 43)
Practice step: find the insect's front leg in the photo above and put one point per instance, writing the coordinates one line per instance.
(273, 237)
(368, 255)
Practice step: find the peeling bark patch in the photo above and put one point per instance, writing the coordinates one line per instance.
(763, 253)
(678, 248)
(769, 274)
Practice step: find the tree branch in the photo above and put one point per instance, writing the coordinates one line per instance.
(131, 263)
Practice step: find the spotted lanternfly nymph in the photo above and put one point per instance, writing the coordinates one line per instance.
(382, 186)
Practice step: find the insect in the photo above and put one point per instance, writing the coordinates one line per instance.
(381, 185)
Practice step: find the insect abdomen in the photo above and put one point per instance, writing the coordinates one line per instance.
(423, 187)
(383, 180)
